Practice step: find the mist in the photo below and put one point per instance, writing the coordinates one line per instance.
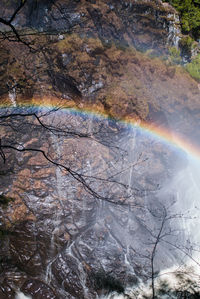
(20, 295)
(178, 251)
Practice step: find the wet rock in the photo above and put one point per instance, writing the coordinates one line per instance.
(67, 271)
(75, 235)
(62, 233)
(4, 54)
(6, 291)
(38, 289)
(95, 87)
(65, 84)
(107, 283)
(25, 249)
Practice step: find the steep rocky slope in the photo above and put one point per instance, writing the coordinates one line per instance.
(144, 24)
(63, 238)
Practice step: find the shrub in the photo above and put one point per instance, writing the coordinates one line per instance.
(193, 68)
(190, 15)
(186, 42)
(175, 55)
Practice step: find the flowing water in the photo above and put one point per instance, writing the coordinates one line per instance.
(182, 234)
(20, 295)
(148, 194)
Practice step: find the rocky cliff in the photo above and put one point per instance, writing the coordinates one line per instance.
(143, 24)
(66, 241)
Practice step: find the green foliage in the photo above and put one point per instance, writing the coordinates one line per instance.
(193, 68)
(187, 42)
(175, 55)
(190, 15)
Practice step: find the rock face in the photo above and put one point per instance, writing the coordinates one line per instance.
(79, 231)
(66, 240)
(143, 24)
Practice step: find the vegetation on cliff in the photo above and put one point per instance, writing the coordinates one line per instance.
(190, 15)
(193, 68)
(105, 61)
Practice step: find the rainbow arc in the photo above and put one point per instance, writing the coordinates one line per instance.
(153, 130)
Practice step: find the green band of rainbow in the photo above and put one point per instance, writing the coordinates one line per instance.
(154, 130)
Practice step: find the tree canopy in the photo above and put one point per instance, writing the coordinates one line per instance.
(190, 15)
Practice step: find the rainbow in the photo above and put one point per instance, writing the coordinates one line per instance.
(155, 131)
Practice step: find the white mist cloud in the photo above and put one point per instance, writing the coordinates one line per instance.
(20, 295)
(182, 268)
(114, 296)
(185, 189)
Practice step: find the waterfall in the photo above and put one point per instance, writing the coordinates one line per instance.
(12, 96)
(174, 31)
(186, 189)
(115, 296)
(48, 274)
(90, 125)
(132, 147)
(20, 295)
(59, 183)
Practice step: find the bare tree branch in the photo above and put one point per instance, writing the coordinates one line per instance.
(12, 27)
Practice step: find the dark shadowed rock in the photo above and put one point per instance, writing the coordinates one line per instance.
(6, 291)
(65, 84)
(68, 272)
(38, 289)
